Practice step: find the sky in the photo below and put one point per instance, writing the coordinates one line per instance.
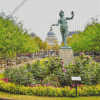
(38, 15)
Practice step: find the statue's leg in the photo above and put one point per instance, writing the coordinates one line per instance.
(65, 37)
(62, 36)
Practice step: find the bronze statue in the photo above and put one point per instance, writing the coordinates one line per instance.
(63, 26)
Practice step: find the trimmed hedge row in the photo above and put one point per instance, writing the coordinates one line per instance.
(50, 91)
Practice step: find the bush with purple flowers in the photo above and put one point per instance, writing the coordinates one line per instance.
(53, 72)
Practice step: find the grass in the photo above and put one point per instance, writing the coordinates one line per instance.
(27, 97)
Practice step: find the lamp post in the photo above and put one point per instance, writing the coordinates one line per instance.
(76, 79)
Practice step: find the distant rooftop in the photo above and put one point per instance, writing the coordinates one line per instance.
(71, 33)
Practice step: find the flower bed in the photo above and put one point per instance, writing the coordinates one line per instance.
(50, 91)
(53, 74)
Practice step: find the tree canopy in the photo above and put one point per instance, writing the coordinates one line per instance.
(13, 38)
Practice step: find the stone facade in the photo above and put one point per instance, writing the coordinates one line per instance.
(51, 38)
(33, 35)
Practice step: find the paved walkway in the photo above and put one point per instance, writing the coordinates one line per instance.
(1, 71)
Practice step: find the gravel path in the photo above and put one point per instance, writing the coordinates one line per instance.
(1, 71)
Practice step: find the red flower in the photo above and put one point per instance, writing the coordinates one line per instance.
(62, 64)
(37, 85)
(70, 88)
(62, 61)
(32, 85)
(64, 70)
(48, 84)
(81, 53)
(73, 85)
(88, 56)
(79, 84)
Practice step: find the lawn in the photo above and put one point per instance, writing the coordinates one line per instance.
(27, 97)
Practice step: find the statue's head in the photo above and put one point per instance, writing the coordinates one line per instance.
(61, 13)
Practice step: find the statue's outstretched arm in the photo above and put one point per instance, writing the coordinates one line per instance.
(71, 17)
(56, 24)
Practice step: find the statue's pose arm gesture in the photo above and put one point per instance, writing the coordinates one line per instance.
(57, 23)
(71, 17)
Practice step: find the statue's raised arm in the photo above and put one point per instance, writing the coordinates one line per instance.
(71, 17)
(56, 24)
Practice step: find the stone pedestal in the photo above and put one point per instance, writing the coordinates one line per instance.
(66, 53)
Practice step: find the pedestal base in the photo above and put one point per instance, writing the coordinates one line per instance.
(66, 53)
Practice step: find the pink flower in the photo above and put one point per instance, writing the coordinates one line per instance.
(43, 84)
(32, 85)
(84, 59)
(62, 64)
(7, 66)
(61, 58)
(52, 56)
(7, 78)
(70, 88)
(33, 79)
(28, 84)
(81, 53)
(73, 85)
(52, 85)
(19, 72)
(6, 81)
(2, 79)
(66, 86)
(48, 84)
(64, 70)
(88, 56)
(28, 63)
(56, 57)
(73, 62)
(56, 86)
(37, 85)
(62, 61)
(79, 84)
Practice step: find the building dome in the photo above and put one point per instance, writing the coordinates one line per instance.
(51, 32)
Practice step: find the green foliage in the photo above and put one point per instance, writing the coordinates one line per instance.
(87, 69)
(88, 40)
(13, 39)
(19, 75)
(56, 45)
(86, 90)
(54, 72)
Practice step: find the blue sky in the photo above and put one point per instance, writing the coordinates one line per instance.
(39, 15)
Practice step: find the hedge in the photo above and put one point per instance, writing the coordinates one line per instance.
(67, 91)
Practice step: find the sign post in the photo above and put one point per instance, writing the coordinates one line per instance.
(76, 79)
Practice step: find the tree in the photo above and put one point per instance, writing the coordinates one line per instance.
(56, 46)
(12, 39)
(45, 45)
(49, 47)
(39, 42)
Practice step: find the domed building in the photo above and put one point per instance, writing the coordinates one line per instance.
(33, 35)
(51, 37)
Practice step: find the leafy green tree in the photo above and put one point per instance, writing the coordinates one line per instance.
(13, 39)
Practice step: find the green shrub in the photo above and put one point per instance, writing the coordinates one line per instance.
(86, 90)
(19, 75)
(54, 72)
